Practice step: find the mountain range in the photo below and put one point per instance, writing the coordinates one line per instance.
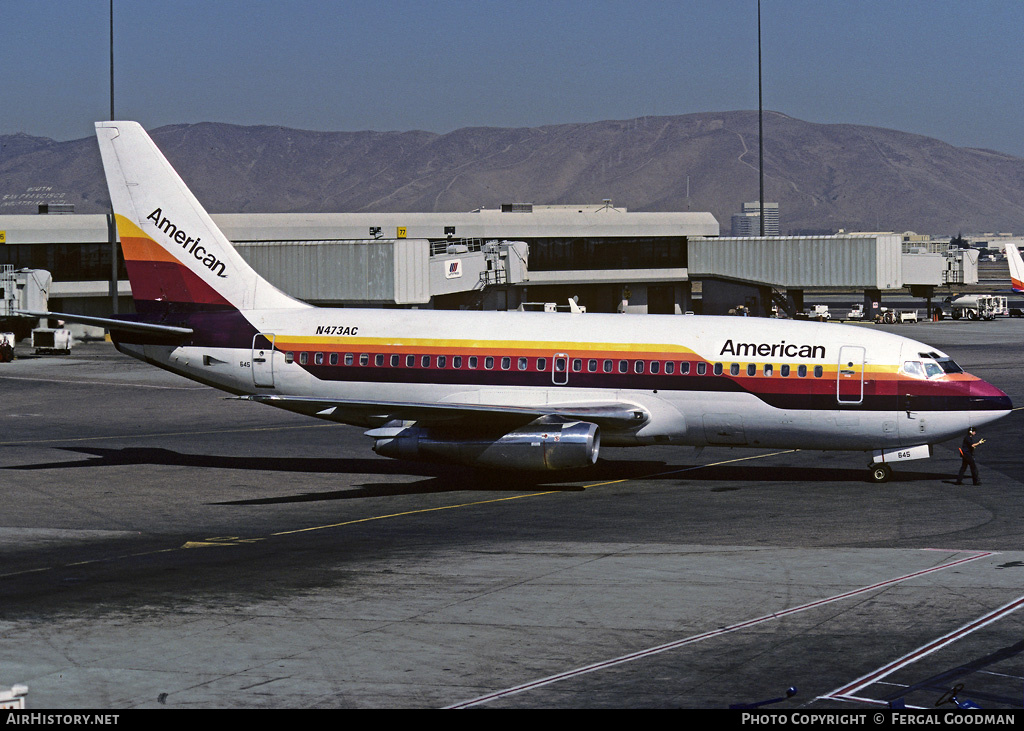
(825, 177)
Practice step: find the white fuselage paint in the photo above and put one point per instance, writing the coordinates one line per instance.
(689, 417)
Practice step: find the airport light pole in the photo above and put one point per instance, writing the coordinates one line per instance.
(761, 128)
(111, 227)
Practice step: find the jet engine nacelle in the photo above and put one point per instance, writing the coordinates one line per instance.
(537, 446)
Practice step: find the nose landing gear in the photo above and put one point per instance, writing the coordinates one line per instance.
(880, 472)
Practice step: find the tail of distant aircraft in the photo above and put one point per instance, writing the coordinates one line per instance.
(1016, 268)
(177, 258)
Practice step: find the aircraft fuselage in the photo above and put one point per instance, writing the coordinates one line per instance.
(700, 380)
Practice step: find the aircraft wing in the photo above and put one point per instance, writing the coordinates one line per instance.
(111, 323)
(607, 414)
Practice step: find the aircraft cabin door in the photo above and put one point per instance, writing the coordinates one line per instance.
(850, 375)
(560, 369)
(263, 360)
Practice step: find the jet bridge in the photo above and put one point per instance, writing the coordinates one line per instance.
(381, 272)
(751, 271)
(22, 289)
(865, 261)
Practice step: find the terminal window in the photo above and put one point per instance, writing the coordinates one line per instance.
(626, 252)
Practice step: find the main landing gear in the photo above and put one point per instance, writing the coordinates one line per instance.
(880, 472)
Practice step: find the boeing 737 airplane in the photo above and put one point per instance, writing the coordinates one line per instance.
(513, 389)
(1016, 268)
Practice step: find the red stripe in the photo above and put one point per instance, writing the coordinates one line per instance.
(163, 281)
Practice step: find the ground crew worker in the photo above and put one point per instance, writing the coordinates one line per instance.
(967, 457)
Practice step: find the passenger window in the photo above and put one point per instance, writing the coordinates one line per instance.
(577, 365)
(473, 361)
(767, 369)
(751, 369)
(457, 361)
(289, 357)
(442, 361)
(684, 367)
(670, 367)
(410, 361)
(655, 366)
(592, 365)
(506, 363)
(303, 358)
(425, 361)
(638, 366)
(395, 360)
(559, 365)
(364, 359)
(606, 366)
(784, 371)
(542, 364)
(623, 366)
(349, 359)
(702, 368)
(718, 369)
(523, 364)
(734, 369)
(333, 359)
(818, 371)
(489, 362)
(802, 371)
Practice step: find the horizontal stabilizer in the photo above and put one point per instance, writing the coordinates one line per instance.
(113, 324)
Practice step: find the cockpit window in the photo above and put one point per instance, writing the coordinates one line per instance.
(934, 366)
(948, 365)
(913, 368)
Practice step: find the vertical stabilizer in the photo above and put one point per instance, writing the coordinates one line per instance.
(1016, 268)
(177, 258)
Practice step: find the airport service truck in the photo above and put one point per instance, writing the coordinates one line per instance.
(979, 307)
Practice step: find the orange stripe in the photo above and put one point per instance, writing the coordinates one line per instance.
(145, 249)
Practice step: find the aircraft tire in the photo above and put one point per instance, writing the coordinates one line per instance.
(880, 472)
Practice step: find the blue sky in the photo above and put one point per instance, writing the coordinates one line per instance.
(951, 70)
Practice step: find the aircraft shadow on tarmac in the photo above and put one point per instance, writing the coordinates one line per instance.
(456, 478)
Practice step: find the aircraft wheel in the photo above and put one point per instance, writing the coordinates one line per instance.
(880, 472)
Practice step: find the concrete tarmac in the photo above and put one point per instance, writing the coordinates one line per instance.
(162, 547)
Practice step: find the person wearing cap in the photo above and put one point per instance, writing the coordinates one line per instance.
(967, 457)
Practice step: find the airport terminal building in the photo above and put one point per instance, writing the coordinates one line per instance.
(521, 255)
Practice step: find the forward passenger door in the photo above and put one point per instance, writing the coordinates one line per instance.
(850, 375)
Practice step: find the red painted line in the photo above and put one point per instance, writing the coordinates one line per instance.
(707, 635)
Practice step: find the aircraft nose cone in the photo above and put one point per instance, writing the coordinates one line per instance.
(986, 397)
(988, 403)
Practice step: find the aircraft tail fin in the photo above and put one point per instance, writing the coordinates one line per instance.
(178, 260)
(1013, 258)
